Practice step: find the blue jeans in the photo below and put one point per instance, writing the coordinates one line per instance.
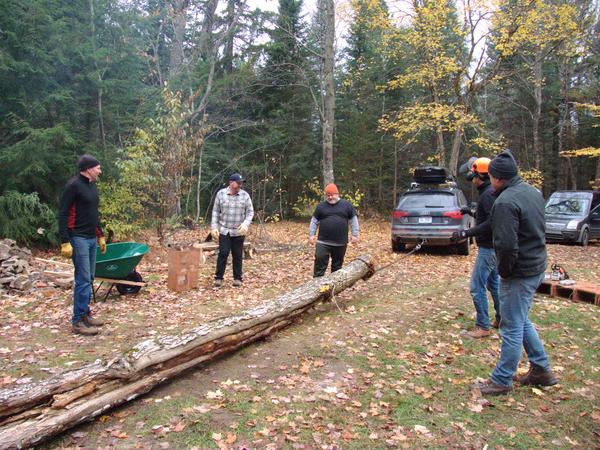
(485, 276)
(517, 331)
(84, 260)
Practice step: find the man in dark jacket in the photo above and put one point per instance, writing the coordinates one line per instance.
(519, 242)
(79, 227)
(485, 272)
(331, 217)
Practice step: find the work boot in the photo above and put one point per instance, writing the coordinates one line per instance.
(478, 333)
(488, 387)
(536, 376)
(495, 324)
(218, 282)
(237, 283)
(92, 321)
(82, 328)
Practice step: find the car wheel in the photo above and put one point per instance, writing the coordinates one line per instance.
(397, 247)
(463, 248)
(585, 237)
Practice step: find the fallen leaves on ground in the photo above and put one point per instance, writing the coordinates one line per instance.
(335, 378)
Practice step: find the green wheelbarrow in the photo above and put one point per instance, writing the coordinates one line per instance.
(116, 267)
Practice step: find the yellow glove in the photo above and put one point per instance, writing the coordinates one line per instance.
(102, 244)
(215, 234)
(66, 250)
(243, 229)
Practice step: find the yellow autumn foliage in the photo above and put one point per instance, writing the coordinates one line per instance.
(428, 116)
(590, 152)
(533, 177)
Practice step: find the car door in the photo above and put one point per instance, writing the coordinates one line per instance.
(595, 223)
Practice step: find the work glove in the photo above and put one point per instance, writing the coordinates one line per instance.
(215, 234)
(466, 210)
(243, 229)
(102, 244)
(66, 250)
(458, 235)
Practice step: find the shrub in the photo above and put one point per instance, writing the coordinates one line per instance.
(27, 220)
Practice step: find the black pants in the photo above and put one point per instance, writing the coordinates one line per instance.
(322, 254)
(235, 245)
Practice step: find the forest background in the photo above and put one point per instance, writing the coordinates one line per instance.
(173, 96)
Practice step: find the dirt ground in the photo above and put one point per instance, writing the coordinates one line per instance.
(385, 365)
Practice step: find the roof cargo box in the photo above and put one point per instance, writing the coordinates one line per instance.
(432, 175)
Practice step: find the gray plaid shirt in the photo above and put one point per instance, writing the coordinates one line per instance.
(230, 211)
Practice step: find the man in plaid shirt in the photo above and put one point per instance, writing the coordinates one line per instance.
(231, 217)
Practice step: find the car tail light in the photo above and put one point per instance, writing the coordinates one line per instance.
(453, 214)
(399, 214)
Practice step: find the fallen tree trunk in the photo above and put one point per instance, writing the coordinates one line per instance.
(76, 396)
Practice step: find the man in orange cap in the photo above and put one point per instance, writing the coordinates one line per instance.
(485, 271)
(332, 217)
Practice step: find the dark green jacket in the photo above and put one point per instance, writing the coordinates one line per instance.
(518, 230)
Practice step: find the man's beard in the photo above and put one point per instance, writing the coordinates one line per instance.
(333, 201)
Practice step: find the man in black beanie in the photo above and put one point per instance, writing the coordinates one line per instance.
(79, 227)
(520, 246)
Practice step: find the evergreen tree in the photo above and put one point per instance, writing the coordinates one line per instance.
(287, 103)
(365, 159)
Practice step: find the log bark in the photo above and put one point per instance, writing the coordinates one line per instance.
(76, 396)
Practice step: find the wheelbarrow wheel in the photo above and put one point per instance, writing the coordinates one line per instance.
(125, 289)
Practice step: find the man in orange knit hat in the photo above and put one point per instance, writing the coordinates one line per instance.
(332, 217)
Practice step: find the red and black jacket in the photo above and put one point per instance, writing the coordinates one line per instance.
(78, 211)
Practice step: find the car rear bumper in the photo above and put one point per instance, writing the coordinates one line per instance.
(563, 236)
(434, 236)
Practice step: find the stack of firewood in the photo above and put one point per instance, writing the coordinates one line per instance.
(15, 269)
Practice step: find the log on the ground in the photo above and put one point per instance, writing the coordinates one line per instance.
(206, 247)
(80, 395)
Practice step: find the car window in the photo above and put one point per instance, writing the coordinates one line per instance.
(566, 206)
(434, 200)
(595, 200)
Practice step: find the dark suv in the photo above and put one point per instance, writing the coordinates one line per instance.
(573, 216)
(430, 210)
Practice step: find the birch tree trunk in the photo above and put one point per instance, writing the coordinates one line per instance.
(455, 152)
(566, 176)
(441, 150)
(328, 89)
(98, 73)
(30, 414)
(179, 21)
(204, 41)
(228, 50)
(537, 112)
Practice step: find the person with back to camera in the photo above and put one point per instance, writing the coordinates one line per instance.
(518, 232)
